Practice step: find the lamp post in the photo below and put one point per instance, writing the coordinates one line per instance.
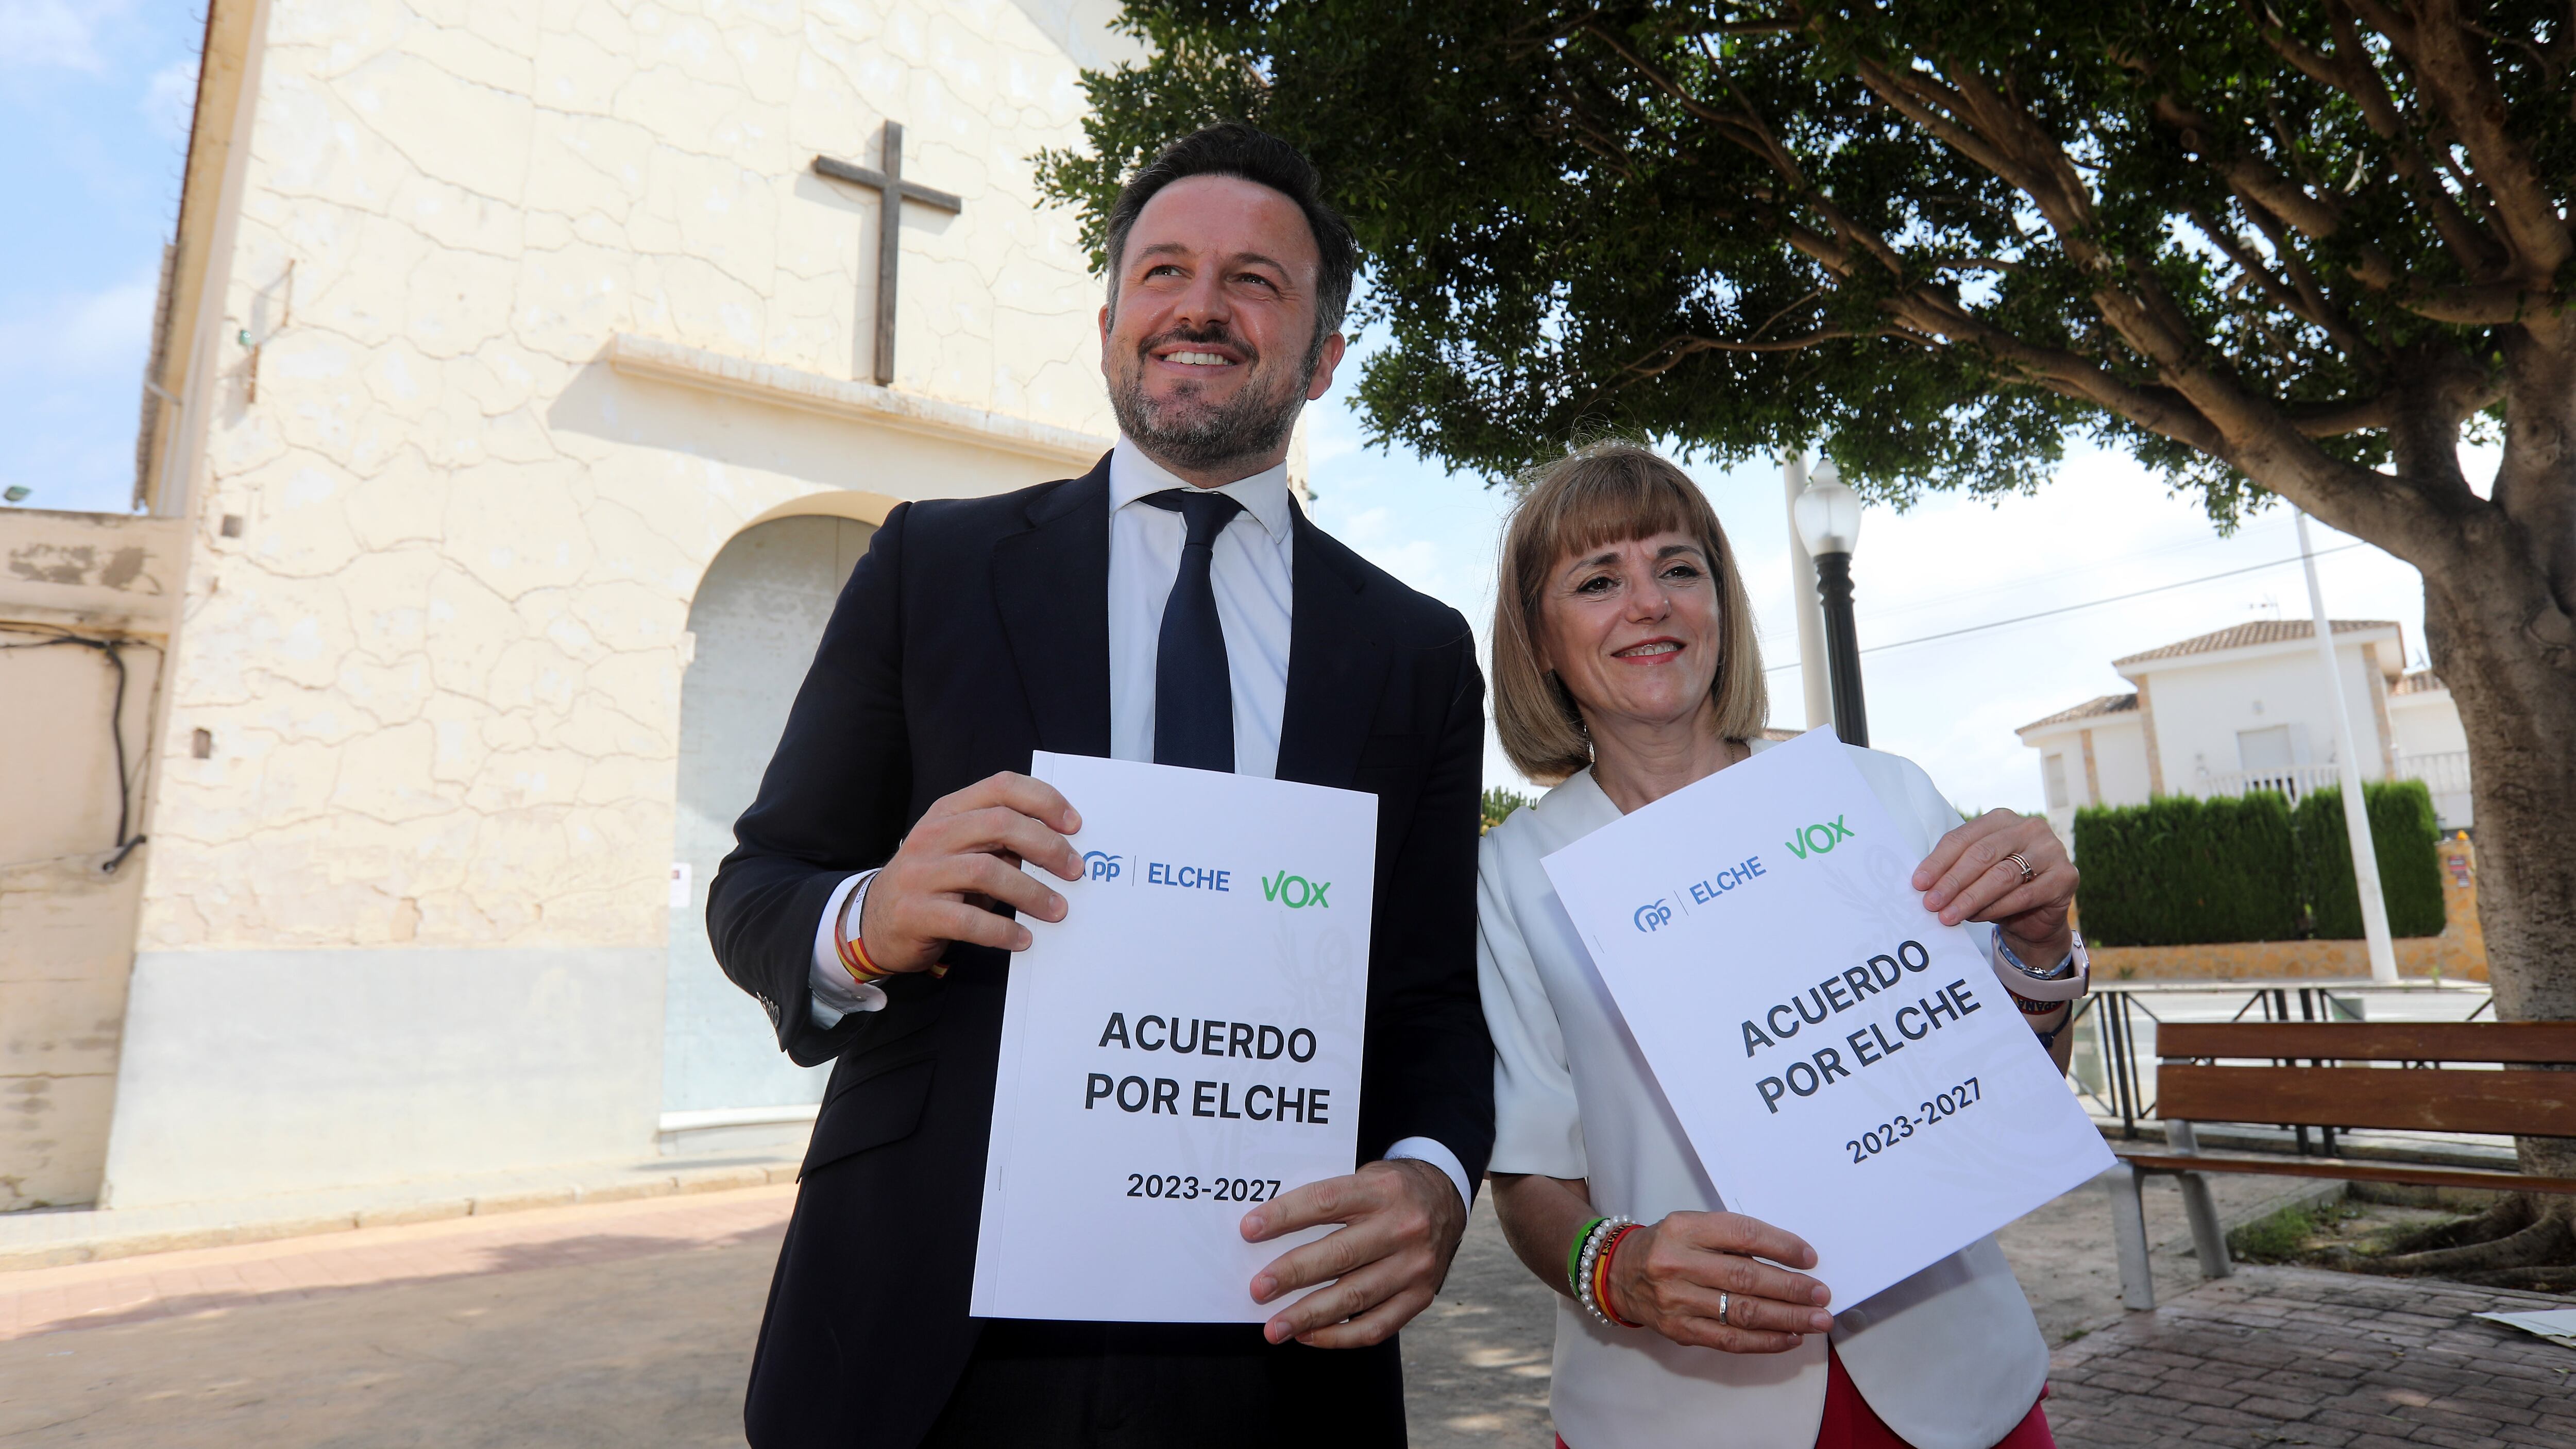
(1828, 515)
(1813, 677)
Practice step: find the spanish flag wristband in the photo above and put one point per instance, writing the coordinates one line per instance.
(853, 951)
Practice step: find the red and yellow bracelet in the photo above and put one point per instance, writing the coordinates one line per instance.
(854, 952)
(1601, 1277)
(854, 959)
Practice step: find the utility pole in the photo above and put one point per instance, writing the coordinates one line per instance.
(2356, 811)
(1812, 669)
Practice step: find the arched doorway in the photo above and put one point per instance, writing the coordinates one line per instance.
(756, 619)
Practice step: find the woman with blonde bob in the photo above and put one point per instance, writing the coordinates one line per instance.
(1625, 668)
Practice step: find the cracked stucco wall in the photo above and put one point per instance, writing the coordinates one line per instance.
(66, 921)
(444, 556)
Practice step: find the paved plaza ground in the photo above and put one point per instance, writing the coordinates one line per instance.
(631, 1324)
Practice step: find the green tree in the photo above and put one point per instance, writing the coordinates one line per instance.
(2275, 248)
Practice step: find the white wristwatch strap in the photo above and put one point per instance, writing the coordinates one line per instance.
(2021, 981)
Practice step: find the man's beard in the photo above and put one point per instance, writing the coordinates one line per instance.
(1186, 431)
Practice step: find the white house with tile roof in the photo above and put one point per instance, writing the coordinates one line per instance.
(2247, 708)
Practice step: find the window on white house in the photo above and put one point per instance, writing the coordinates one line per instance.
(2260, 751)
(2052, 772)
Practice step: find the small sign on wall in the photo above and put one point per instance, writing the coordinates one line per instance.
(679, 885)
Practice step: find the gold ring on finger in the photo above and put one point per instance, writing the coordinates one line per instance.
(2021, 862)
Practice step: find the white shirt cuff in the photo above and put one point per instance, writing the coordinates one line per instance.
(835, 994)
(1424, 1149)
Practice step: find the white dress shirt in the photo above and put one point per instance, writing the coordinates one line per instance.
(1254, 579)
(1951, 1358)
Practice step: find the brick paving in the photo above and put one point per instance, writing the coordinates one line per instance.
(632, 1323)
(2294, 1356)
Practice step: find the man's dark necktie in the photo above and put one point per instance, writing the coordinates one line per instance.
(1193, 691)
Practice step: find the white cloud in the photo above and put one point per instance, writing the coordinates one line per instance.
(170, 98)
(84, 334)
(50, 34)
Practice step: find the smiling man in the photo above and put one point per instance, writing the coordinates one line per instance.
(1173, 604)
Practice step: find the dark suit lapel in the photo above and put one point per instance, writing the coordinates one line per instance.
(1051, 583)
(1336, 663)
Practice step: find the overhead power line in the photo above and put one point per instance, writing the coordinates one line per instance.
(2089, 568)
(2089, 604)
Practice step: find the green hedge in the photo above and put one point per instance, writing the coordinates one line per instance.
(2404, 837)
(2181, 871)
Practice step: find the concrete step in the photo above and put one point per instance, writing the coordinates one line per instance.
(51, 1237)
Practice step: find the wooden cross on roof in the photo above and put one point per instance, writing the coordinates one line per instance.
(892, 192)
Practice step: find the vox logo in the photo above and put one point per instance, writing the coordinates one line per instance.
(1295, 891)
(1819, 839)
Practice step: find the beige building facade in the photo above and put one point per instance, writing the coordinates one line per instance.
(518, 421)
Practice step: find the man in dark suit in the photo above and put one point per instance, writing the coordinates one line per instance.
(1172, 604)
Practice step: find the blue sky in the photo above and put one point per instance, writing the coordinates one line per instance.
(94, 102)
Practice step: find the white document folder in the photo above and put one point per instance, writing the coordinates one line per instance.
(1183, 1045)
(1846, 1067)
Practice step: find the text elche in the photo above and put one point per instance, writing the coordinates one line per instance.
(1805, 843)
(1223, 1098)
(1280, 887)
(1882, 974)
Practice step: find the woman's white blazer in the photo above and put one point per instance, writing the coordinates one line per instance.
(1951, 1358)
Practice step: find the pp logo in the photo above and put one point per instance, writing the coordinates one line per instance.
(1100, 865)
(1653, 916)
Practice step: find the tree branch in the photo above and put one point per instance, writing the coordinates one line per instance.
(2463, 86)
(2356, 76)
(2316, 217)
(2192, 403)
(2336, 323)
(2496, 304)
(2333, 420)
(2303, 303)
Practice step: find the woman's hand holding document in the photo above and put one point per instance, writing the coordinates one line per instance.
(1180, 1047)
(1867, 1083)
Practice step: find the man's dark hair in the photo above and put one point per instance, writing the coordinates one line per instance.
(1232, 148)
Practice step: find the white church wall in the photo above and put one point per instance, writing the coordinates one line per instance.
(409, 914)
(248, 1073)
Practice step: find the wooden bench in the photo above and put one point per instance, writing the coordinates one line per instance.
(2303, 1084)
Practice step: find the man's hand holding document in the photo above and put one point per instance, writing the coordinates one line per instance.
(1846, 1067)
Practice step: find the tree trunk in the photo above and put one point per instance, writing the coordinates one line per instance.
(2499, 595)
(2487, 630)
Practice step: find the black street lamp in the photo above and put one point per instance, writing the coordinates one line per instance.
(1829, 524)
